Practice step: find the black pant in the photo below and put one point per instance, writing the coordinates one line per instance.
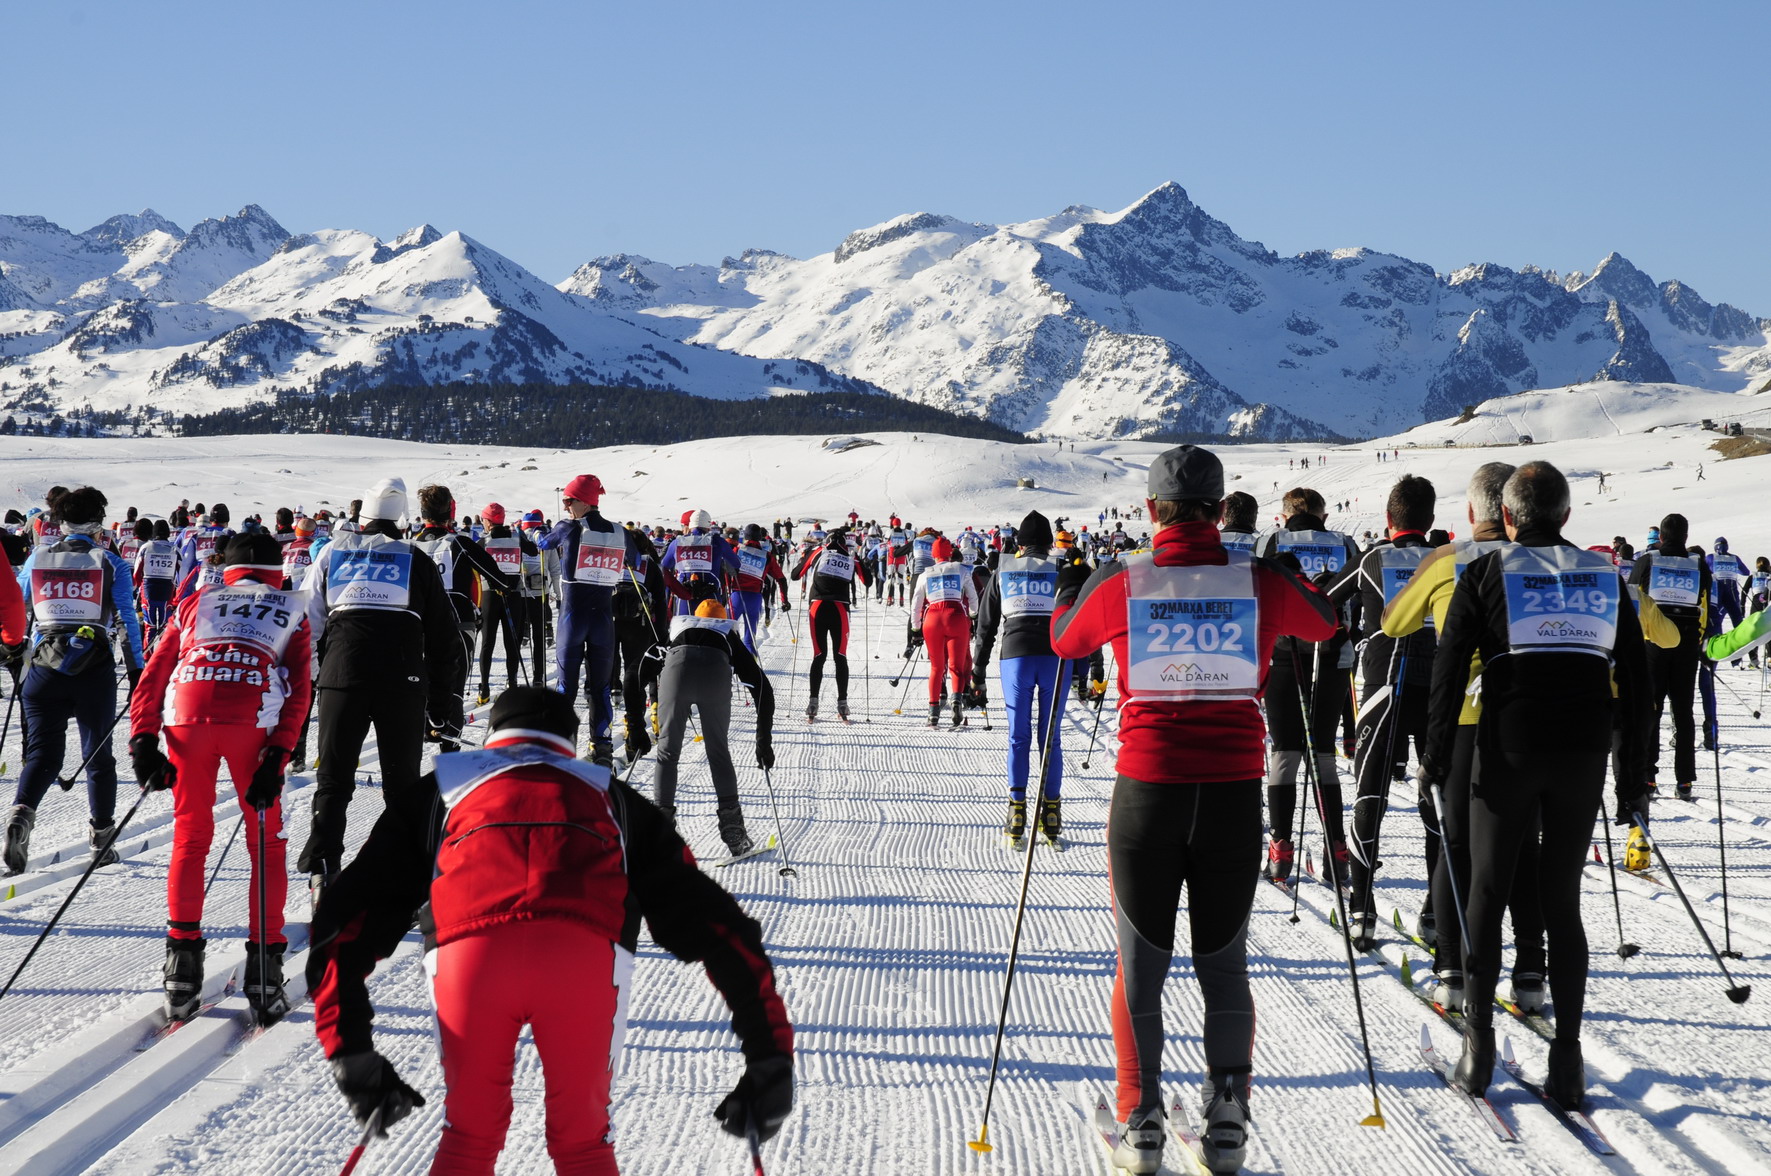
(345, 718)
(1385, 726)
(1159, 838)
(830, 637)
(496, 622)
(633, 638)
(532, 620)
(1509, 790)
(1285, 725)
(1672, 680)
(51, 699)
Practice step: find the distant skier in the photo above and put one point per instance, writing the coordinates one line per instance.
(941, 608)
(831, 571)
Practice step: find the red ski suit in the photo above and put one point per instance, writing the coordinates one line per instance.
(946, 623)
(230, 678)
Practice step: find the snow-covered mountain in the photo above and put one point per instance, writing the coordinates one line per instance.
(1157, 319)
(137, 311)
(1160, 317)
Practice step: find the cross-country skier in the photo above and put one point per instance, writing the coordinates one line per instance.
(1729, 574)
(530, 872)
(503, 615)
(759, 574)
(229, 682)
(199, 544)
(1680, 585)
(1240, 525)
(389, 647)
(461, 561)
(1193, 627)
(1559, 655)
(1019, 602)
(832, 572)
(698, 555)
(941, 609)
(703, 656)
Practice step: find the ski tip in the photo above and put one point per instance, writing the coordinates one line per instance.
(11, 893)
(1426, 1037)
(1506, 1051)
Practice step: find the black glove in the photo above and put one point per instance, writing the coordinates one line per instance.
(367, 1081)
(267, 782)
(765, 754)
(763, 1096)
(149, 763)
(12, 654)
(134, 673)
(1071, 578)
(785, 607)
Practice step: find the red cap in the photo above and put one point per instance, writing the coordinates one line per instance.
(942, 550)
(586, 488)
(493, 513)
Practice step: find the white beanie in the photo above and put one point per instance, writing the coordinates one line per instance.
(385, 500)
(700, 518)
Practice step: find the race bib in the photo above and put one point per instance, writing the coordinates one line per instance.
(1317, 552)
(1398, 567)
(600, 556)
(369, 577)
(1191, 632)
(238, 615)
(1237, 541)
(835, 563)
(1728, 572)
(943, 587)
(68, 594)
(752, 562)
(694, 555)
(1560, 600)
(924, 547)
(1029, 587)
(507, 554)
(159, 562)
(1673, 579)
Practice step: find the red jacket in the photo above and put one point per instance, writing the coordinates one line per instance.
(12, 607)
(770, 569)
(204, 670)
(1188, 742)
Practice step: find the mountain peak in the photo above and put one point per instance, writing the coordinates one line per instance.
(899, 227)
(416, 237)
(125, 227)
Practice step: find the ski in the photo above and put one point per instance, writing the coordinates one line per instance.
(1282, 885)
(1107, 1130)
(1536, 1022)
(1401, 929)
(1055, 844)
(1478, 1103)
(756, 851)
(170, 1027)
(1576, 1121)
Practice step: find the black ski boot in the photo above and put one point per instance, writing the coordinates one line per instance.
(1475, 1066)
(264, 982)
(1223, 1143)
(1567, 1079)
(669, 811)
(731, 827)
(602, 753)
(812, 711)
(842, 709)
(1051, 818)
(1015, 827)
(18, 837)
(934, 714)
(103, 844)
(958, 713)
(183, 977)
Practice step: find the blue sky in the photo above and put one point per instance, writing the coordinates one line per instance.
(1546, 133)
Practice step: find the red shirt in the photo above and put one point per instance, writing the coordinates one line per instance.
(1189, 742)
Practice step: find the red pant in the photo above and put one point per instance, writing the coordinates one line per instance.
(947, 632)
(197, 751)
(569, 985)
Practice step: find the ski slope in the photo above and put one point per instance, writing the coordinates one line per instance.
(890, 943)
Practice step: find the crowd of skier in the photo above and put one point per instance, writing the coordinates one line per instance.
(528, 855)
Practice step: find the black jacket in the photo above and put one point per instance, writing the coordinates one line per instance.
(1358, 594)
(1029, 635)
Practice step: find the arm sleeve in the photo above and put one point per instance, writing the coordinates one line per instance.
(1409, 611)
(1093, 617)
(298, 676)
(984, 633)
(1304, 611)
(694, 918)
(751, 674)
(1748, 635)
(12, 611)
(556, 539)
(482, 562)
(1656, 626)
(123, 600)
(442, 636)
(1459, 640)
(919, 602)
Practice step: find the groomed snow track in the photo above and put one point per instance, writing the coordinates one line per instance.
(890, 946)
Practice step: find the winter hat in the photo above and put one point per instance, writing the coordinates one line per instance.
(1186, 473)
(304, 525)
(698, 518)
(1064, 539)
(493, 513)
(942, 550)
(218, 514)
(754, 534)
(1721, 546)
(711, 609)
(585, 488)
(386, 500)
(258, 552)
(534, 709)
(1035, 530)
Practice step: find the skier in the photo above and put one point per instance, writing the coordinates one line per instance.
(1555, 641)
(1019, 602)
(389, 646)
(1238, 532)
(1186, 805)
(298, 553)
(503, 613)
(704, 654)
(459, 559)
(941, 608)
(1393, 704)
(199, 544)
(541, 574)
(1320, 554)
(640, 617)
(230, 682)
(1728, 574)
(697, 555)
(1680, 585)
(530, 872)
(897, 561)
(593, 553)
(79, 595)
(156, 561)
(832, 576)
(757, 570)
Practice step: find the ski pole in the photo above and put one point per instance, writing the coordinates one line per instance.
(867, 662)
(1449, 862)
(982, 1143)
(1624, 950)
(1376, 1118)
(1096, 731)
(98, 745)
(786, 870)
(1737, 695)
(1735, 992)
(903, 668)
(904, 697)
(216, 872)
(369, 1130)
(259, 869)
(97, 856)
(756, 1144)
(1722, 847)
(6, 728)
(1301, 854)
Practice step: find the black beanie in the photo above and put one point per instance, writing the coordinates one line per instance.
(534, 708)
(256, 550)
(1035, 531)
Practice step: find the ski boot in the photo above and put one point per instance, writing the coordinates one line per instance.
(669, 811)
(1280, 856)
(318, 881)
(1223, 1140)
(1447, 991)
(1082, 694)
(484, 697)
(18, 838)
(1362, 927)
(103, 844)
(934, 714)
(602, 752)
(812, 711)
(1636, 854)
(1051, 818)
(1567, 1080)
(1475, 1066)
(731, 827)
(1015, 827)
(1426, 927)
(1682, 791)
(1340, 864)
(264, 982)
(1140, 1142)
(842, 709)
(958, 713)
(183, 978)
(1526, 992)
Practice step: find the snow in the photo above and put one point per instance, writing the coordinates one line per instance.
(890, 943)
